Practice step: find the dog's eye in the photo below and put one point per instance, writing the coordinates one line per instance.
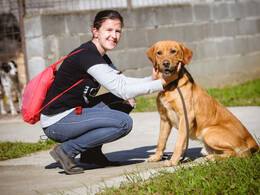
(159, 53)
(173, 51)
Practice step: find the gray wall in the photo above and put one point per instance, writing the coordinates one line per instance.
(224, 36)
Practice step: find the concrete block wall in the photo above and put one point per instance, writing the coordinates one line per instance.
(224, 36)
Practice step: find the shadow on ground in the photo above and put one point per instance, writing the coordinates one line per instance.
(134, 156)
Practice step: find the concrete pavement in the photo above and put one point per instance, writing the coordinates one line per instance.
(40, 174)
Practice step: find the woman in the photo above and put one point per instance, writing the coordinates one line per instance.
(103, 118)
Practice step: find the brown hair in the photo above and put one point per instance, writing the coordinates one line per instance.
(102, 16)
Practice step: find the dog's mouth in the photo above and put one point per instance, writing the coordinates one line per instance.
(168, 71)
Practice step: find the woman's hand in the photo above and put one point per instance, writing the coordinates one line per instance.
(131, 102)
(155, 73)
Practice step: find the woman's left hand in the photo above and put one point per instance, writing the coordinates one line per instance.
(131, 102)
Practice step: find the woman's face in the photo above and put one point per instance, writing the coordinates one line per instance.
(108, 35)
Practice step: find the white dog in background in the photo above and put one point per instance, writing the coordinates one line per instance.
(9, 82)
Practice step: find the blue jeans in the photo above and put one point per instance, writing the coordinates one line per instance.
(106, 121)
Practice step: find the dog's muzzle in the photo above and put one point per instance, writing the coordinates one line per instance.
(166, 67)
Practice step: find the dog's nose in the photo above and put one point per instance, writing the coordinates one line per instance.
(166, 63)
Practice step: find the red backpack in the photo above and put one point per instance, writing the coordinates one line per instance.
(36, 90)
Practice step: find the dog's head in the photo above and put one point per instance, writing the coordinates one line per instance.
(9, 68)
(168, 56)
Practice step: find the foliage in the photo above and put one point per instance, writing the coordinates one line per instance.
(224, 176)
(9, 150)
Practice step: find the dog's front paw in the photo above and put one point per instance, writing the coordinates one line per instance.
(13, 113)
(3, 112)
(154, 158)
(169, 163)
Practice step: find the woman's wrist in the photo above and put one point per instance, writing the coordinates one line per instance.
(164, 84)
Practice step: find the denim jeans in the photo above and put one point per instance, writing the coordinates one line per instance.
(106, 121)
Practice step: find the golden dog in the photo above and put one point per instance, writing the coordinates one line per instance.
(209, 121)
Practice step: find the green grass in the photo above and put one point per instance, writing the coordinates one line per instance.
(10, 150)
(247, 94)
(229, 176)
(145, 104)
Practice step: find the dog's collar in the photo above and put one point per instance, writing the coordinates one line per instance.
(180, 75)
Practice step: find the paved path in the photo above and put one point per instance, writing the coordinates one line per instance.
(38, 173)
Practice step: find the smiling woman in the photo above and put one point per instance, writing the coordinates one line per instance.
(81, 121)
(107, 35)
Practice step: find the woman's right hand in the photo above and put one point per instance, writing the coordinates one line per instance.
(155, 73)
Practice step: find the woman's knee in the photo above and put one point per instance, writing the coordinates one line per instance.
(127, 124)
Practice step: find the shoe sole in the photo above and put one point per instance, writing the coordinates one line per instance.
(57, 159)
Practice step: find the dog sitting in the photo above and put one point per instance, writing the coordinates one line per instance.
(9, 82)
(210, 122)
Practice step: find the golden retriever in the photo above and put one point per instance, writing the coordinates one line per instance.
(209, 121)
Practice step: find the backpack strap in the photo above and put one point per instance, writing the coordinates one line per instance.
(55, 64)
(62, 93)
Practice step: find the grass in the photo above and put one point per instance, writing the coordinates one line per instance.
(247, 94)
(229, 176)
(10, 150)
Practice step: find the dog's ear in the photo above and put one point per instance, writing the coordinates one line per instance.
(187, 54)
(150, 54)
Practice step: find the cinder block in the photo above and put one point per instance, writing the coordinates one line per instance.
(34, 47)
(252, 8)
(241, 45)
(130, 59)
(53, 24)
(142, 72)
(254, 43)
(248, 26)
(35, 65)
(67, 44)
(219, 11)
(236, 10)
(142, 17)
(183, 14)
(229, 28)
(167, 33)
(165, 15)
(85, 37)
(215, 30)
(77, 23)
(135, 38)
(32, 26)
(174, 14)
(50, 47)
(201, 12)
(122, 43)
(224, 47)
(236, 64)
(206, 49)
(193, 33)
